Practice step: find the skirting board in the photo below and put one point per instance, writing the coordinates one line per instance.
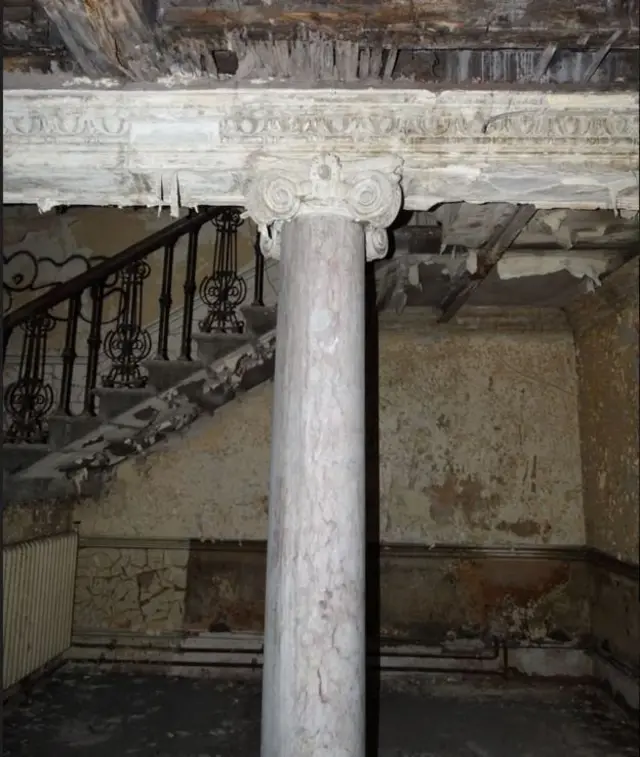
(218, 654)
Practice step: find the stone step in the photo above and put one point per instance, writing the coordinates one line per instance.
(163, 374)
(212, 347)
(17, 457)
(64, 429)
(260, 318)
(28, 465)
(115, 401)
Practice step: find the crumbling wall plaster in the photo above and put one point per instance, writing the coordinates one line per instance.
(427, 594)
(478, 444)
(130, 589)
(607, 341)
(32, 521)
(211, 483)
(479, 438)
(607, 334)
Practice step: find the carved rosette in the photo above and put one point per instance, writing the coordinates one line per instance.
(366, 191)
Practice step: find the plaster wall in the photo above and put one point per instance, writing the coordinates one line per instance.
(607, 342)
(478, 448)
(608, 360)
(478, 444)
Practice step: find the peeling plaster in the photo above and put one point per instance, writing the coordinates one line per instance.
(466, 453)
(130, 589)
(607, 340)
(581, 265)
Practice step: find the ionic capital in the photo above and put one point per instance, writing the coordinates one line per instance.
(366, 191)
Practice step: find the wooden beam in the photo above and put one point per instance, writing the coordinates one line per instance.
(417, 240)
(427, 23)
(497, 244)
(141, 40)
(110, 37)
(39, 62)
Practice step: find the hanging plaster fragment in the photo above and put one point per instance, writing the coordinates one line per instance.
(44, 206)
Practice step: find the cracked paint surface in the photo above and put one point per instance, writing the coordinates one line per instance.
(86, 465)
(130, 589)
(209, 484)
(32, 521)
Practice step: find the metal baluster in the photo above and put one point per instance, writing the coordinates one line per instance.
(165, 302)
(6, 337)
(29, 400)
(189, 295)
(258, 281)
(128, 344)
(224, 290)
(93, 344)
(69, 355)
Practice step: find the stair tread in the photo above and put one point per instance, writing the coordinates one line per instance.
(159, 413)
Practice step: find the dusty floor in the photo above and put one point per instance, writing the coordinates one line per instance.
(121, 715)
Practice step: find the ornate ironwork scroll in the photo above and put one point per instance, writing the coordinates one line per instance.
(223, 291)
(25, 271)
(30, 398)
(258, 280)
(128, 343)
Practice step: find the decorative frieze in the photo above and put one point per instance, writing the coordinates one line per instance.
(175, 147)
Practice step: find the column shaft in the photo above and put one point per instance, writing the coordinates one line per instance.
(314, 670)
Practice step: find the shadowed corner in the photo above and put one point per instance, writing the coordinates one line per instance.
(372, 488)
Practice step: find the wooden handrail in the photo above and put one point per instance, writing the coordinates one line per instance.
(107, 268)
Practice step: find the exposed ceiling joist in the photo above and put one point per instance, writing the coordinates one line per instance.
(142, 40)
(453, 23)
(499, 242)
(109, 37)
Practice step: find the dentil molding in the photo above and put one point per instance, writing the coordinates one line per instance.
(155, 147)
(366, 191)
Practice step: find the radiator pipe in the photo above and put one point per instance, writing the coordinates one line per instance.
(221, 650)
(258, 666)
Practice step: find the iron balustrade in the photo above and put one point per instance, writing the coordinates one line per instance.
(224, 290)
(123, 337)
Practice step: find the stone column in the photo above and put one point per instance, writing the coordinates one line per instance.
(320, 219)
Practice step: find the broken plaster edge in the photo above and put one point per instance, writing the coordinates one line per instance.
(581, 265)
(34, 82)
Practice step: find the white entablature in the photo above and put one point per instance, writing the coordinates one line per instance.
(83, 144)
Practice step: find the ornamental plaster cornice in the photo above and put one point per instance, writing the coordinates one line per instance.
(189, 147)
(366, 191)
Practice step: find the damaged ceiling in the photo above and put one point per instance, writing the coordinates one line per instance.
(501, 255)
(460, 42)
(457, 254)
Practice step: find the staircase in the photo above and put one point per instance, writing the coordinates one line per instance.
(121, 388)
